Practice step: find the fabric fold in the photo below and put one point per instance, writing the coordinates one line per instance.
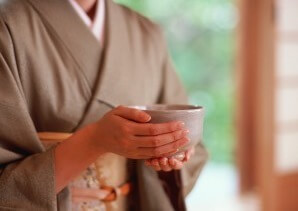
(25, 181)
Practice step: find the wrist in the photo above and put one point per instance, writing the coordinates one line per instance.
(90, 132)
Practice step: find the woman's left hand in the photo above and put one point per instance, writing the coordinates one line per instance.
(171, 163)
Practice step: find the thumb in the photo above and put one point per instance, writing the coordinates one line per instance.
(132, 114)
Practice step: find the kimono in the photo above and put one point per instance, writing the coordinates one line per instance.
(54, 76)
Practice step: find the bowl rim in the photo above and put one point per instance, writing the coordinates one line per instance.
(192, 108)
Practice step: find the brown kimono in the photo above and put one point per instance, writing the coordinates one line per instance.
(52, 74)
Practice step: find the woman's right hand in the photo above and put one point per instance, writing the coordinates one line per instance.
(126, 132)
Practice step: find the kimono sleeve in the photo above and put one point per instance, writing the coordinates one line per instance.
(173, 92)
(26, 170)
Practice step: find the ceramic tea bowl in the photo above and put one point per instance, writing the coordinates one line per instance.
(191, 115)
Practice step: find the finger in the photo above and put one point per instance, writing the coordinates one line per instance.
(151, 129)
(165, 149)
(147, 162)
(188, 154)
(164, 164)
(178, 165)
(175, 164)
(155, 165)
(132, 114)
(169, 154)
(180, 156)
(159, 140)
(187, 157)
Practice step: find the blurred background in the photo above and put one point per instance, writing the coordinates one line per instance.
(239, 59)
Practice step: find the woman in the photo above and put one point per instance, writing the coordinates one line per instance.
(63, 66)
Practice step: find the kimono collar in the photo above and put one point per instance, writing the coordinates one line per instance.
(96, 25)
(73, 33)
(86, 50)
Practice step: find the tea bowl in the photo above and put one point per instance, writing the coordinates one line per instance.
(191, 115)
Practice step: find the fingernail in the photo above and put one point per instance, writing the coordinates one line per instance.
(147, 117)
(187, 158)
(181, 124)
(184, 141)
(185, 132)
(187, 140)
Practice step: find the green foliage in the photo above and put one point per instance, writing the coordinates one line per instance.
(200, 35)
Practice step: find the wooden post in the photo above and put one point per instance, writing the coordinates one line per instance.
(255, 110)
